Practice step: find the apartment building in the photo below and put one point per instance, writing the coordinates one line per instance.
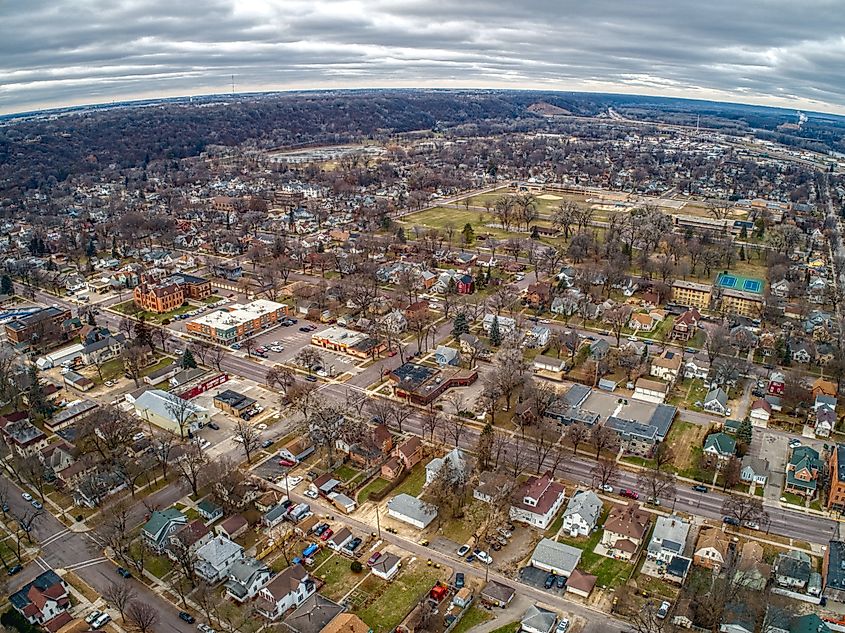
(747, 304)
(42, 329)
(692, 294)
(238, 321)
(158, 298)
(836, 466)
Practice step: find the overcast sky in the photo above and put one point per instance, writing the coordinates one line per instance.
(61, 52)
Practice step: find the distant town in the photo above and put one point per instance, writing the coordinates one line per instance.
(547, 374)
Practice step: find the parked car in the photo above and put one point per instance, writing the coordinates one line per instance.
(462, 550)
(266, 443)
(305, 328)
(124, 572)
(663, 611)
(26, 496)
(752, 525)
(311, 493)
(202, 626)
(631, 494)
(731, 521)
(354, 543)
(459, 580)
(471, 558)
(214, 425)
(504, 532)
(15, 569)
(310, 378)
(321, 528)
(607, 488)
(373, 559)
(483, 556)
(550, 581)
(325, 536)
(286, 462)
(294, 480)
(701, 488)
(187, 617)
(102, 620)
(36, 504)
(794, 443)
(562, 626)
(561, 582)
(92, 616)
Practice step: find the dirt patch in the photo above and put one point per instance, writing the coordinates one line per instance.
(684, 438)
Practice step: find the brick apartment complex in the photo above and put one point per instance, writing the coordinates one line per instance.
(238, 321)
(836, 467)
(43, 329)
(691, 294)
(743, 303)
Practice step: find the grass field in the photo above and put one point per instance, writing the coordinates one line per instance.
(414, 482)
(338, 576)
(393, 601)
(685, 438)
(376, 485)
(474, 616)
(128, 307)
(511, 627)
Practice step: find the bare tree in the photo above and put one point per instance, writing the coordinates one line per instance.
(115, 529)
(603, 438)
(141, 616)
(606, 472)
(719, 209)
(281, 378)
(249, 438)
(120, 595)
(576, 434)
(658, 484)
(190, 466)
(744, 508)
(181, 410)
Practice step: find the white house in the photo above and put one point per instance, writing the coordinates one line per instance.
(650, 391)
(507, 325)
(215, 558)
(760, 410)
(538, 501)
(754, 469)
(554, 557)
(582, 513)
(387, 566)
(457, 460)
(668, 538)
(287, 590)
(246, 577)
(538, 620)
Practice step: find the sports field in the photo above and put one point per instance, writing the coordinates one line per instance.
(737, 282)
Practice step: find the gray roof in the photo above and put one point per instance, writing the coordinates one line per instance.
(276, 512)
(670, 533)
(758, 465)
(245, 569)
(557, 555)
(412, 507)
(386, 562)
(836, 566)
(68, 413)
(313, 615)
(718, 395)
(498, 591)
(586, 504)
(161, 518)
(576, 394)
(217, 550)
(631, 428)
(539, 619)
(662, 418)
(794, 564)
(155, 400)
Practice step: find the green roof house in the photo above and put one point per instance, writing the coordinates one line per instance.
(720, 445)
(161, 525)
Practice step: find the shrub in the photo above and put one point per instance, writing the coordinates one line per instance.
(356, 567)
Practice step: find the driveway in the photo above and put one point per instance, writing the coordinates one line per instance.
(773, 448)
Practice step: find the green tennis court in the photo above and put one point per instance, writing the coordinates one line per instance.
(737, 282)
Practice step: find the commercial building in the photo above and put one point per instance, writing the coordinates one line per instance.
(170, 412)
(349, 342)
(691, 294)
(236, 322)
(42, 329)
(421, 384)
(233, 402)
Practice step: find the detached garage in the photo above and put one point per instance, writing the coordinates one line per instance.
(411, 510)
(555, 557)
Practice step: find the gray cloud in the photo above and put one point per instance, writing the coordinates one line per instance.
(57, 52)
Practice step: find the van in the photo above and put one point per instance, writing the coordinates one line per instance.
(101, 621)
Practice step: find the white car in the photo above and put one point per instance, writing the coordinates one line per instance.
(202, 626)
(484, 557)
(139, 436)
(104, 619)
(311, 493)
(26, 496)
(563, 625)
(92, 616)
(109, 383)
(632, 338)
(663, 611)
(179, 352)
(294, 480)
(238, 439)
(261, 427)
(64, 370)
(204, 443)
(607, 488)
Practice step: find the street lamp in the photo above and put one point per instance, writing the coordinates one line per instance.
(378, 522)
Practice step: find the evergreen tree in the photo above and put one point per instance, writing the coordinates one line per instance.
(743, 234)
(37, 398)
(460, 325)
(400, 235)
(468, 233)
(535, 233)
(743, 433)
(91, 250)
(495, 333)
(484, 449)
(6, 286)
(742, 253)
(143, 336)
(188, 361)
(91, 320)
(787, 355)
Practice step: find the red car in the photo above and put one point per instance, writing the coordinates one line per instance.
(286, 462)
(391, 353)
(372, 560)
(631, 494)
(325, 536)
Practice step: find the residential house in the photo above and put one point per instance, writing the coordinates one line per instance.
(246, 577)
(822, 387)
(668, 539)
(716, 401)
(288, 590)
(410, 451)
(103, 349)
(636, 438)
(802, 471)
(444, 355)
(22, 437)
(395, 322)
(720, 445)
(346, 623)
(233, 526)
(538, 337)
(777, 383)
(161, 526)
(548, 363)
(557, 558)
(711, 549)
(215, 558)
(209, 510)
(624, 530)
(650, 391)
(537, 501)
(507, 325)
(697, 367)
(686, 325)
(667, 366)
(582, 513)
(45, 601)
(497, 594)
(490, 487)
(751, 571)
(313, 615)
(754, 470)
(536, 619)
(392, 468)
(297, 449)
(457, 460)
(833, 571)
(538, 295)
(792, 570)
(761, 410)
(387, 566)
(802, 351)
(826, 419)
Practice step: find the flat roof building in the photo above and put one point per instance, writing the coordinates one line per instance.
(238, 321)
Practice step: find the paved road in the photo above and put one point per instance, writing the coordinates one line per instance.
(81, 553)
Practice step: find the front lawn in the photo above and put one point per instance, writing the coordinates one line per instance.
(389, 603)
(474, 616)
(375, 486)
(211, 299)
(512, 627)
(414, 482)
(345, 473)
(338, 577)
(129, 308)
(793, 499)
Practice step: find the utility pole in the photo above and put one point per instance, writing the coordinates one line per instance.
(233, 84)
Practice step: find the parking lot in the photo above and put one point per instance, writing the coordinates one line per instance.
(537, 578)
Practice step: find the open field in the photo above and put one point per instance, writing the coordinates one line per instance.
(413, 483)
(338, 576)
(395, 599)
(685, 438)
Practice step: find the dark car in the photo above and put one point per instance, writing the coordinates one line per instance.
(266, 443)
(5, 507)
(16, 569)
(320, 529)
(305, 328)
(471, 558)
(354, 543)
(459, 580)
(550, 580)
(310, 378)
(560, 582)
(187, 617)
(214, 425)
(701, 488)
(731, 521)
(124, 572)
(372, 559)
